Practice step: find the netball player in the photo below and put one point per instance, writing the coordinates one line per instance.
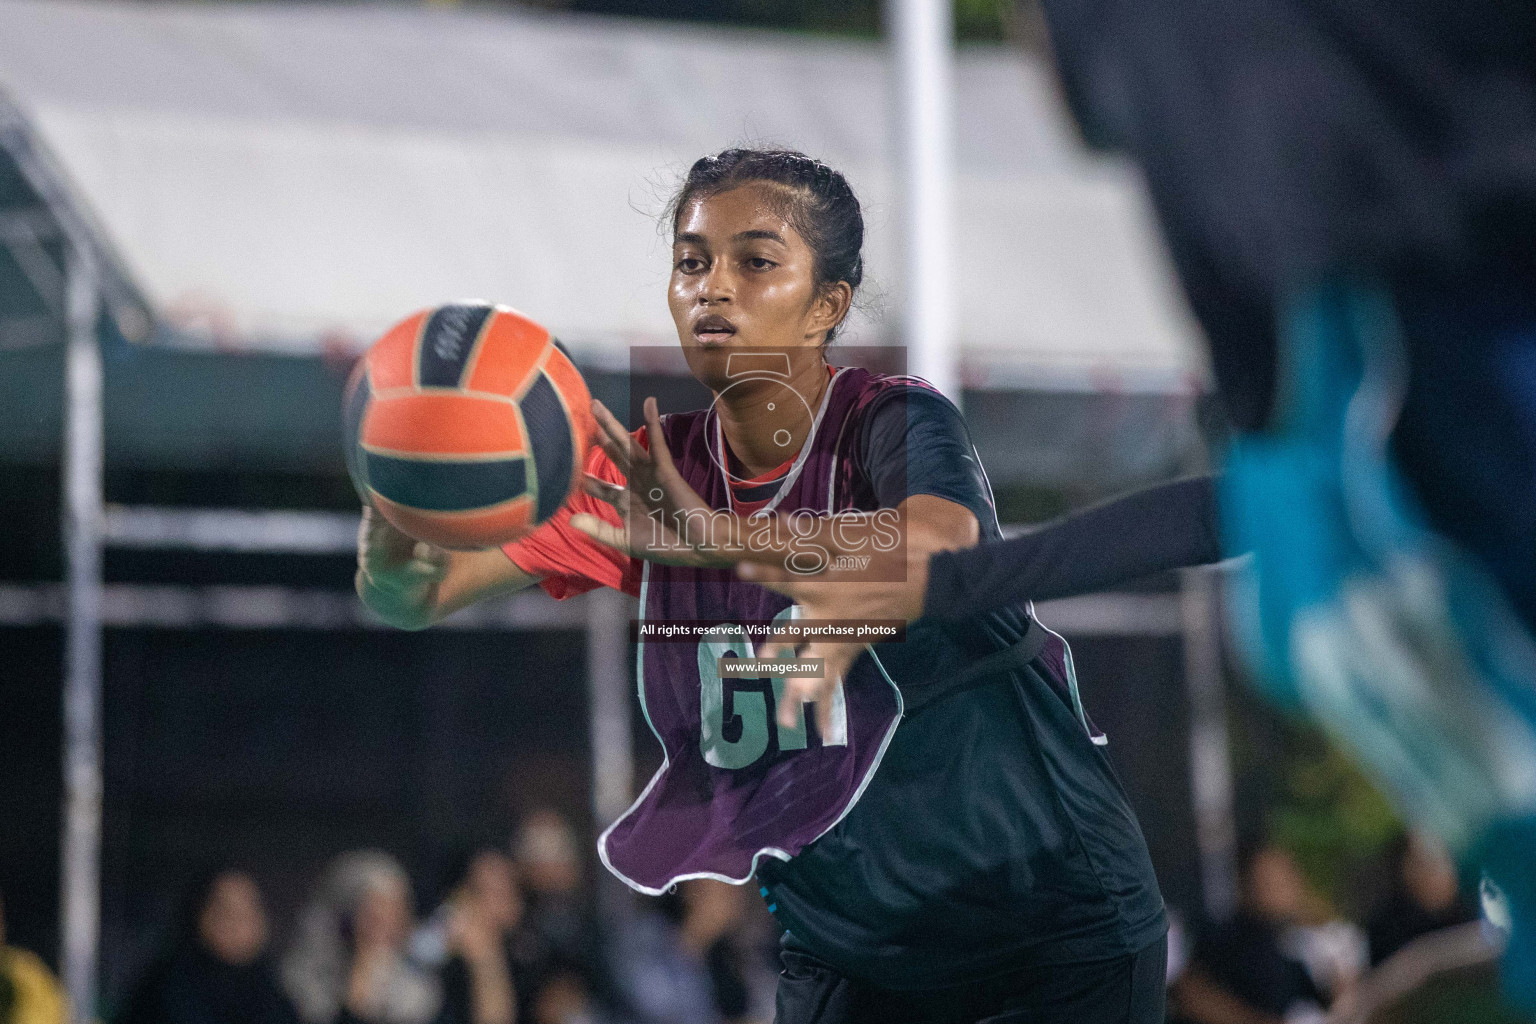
(953, 845)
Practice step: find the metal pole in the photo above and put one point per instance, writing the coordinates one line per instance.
(608, 700)
(80, 887)
(922, 39)
(1210, 758)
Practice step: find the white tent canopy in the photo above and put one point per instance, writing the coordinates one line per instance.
(287, 177)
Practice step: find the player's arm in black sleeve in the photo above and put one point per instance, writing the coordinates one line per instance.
(917, 443)
(1168, 526)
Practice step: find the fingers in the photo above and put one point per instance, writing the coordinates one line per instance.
(602, 531)
(660, 453)
(653, 430)
(602, 490)
(364, 531)
(392, 559)
(775, 645)
(429, 562)
(818, 597)
(835, 657)
(380, 535)
(792, 585)
(798, 693)
(824, 706)
(616, 453)
(767, 575)
(676, 495)
(837, 660)
(612, 437)
(611, 427)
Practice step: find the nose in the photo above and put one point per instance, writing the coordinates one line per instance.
(719, 284)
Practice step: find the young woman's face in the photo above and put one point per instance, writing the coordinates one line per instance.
(742, 277)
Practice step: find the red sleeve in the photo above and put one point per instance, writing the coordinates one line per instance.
(567, 561)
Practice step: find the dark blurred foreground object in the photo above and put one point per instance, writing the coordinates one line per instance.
(1284, 141)
(1348, 189)
(216, 967)
(29, 993)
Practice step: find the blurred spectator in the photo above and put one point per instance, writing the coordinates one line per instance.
(692, 958)
(1240, 972)
(476, 938)
(551, 873)
(741, 960)
(347, 964)
(661, 975)
(563, 998)
(560, 932)
(1425, 897)
(29, 993)
(1334, 952)
(215, 969)
(477, 982)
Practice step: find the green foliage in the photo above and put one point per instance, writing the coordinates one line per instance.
(984, 20)
(975, 20)
(833, 17)
(1298, 788)
(1329, 815)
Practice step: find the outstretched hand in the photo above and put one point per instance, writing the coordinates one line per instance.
(397, 576)
(884, 589)
(648, 501)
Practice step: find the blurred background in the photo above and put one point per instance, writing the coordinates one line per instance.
(256, 191)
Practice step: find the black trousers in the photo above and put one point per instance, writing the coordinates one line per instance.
(1123, 990)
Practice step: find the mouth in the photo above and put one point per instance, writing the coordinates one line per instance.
(713, 329)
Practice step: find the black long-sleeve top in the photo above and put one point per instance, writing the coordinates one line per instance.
(1168, 526)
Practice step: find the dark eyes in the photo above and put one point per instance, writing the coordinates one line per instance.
(694, 265)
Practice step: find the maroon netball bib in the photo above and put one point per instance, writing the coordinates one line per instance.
(735, 786)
